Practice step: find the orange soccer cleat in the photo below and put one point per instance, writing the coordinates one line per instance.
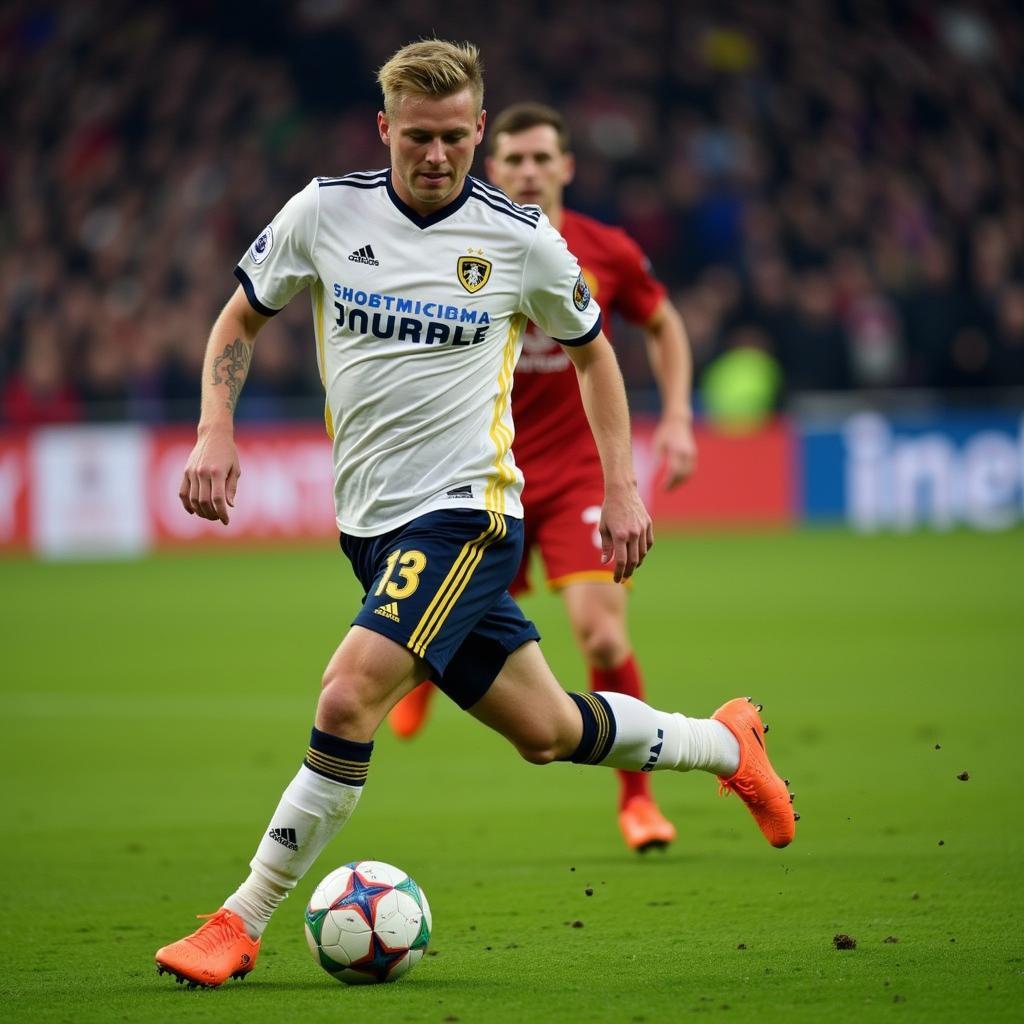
(756, 782)
(408, 715)
(643, 826)
(219, 949)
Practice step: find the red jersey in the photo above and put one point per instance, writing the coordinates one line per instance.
(551, 426)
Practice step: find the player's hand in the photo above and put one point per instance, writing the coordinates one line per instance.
(627, 533)
(675, 444)
(211, 476)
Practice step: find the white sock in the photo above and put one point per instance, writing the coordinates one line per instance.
(706, 744)
(649, 740)
(311, 812)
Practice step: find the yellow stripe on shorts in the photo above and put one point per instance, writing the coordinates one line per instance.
(454, 584)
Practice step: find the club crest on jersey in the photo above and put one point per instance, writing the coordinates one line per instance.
(473, 272)
(581, 293)
(260, 249)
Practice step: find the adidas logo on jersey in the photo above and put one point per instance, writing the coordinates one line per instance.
(364, 255)
(287, 837)
(389, 611)
(460, 492)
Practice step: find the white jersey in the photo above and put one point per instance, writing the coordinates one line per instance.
(418, 324)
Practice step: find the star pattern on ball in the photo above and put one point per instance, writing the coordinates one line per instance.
(362, 895)
(379, 961)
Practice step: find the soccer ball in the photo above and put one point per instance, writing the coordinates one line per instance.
(367, 922)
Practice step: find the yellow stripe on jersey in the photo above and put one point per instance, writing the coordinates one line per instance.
(494, 497)
(454, 584)
(319, 330)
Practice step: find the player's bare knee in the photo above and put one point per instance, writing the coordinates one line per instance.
(544, 743)
(342, 706)
(537, 754)
(604, 645)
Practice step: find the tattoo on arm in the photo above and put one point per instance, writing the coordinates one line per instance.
(231, 368)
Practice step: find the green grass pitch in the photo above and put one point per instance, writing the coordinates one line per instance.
(153, 711)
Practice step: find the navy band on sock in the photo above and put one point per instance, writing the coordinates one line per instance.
(336, 759)
(598, 728)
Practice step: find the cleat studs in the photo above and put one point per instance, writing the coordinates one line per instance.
(792, 797)
(786, 781)
(748, 699)
(796, 815)
(759, 707)
(765, 727)
(178, 979)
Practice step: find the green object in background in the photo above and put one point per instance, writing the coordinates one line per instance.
(740, 387)
(154, 711)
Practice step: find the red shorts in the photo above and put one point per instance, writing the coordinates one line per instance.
(561, 513)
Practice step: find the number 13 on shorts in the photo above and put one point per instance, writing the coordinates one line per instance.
(409, 564)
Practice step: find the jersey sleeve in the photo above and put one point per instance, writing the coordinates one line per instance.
(279, 264)
(555, 295)
(641, 292)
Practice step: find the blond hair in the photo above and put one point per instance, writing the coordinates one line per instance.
(432, 67)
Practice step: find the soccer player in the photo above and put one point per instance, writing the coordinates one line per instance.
(421, 280)
(530, 160)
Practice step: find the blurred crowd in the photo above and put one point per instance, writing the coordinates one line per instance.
(837, 186)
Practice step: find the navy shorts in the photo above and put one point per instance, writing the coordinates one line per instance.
(439, 586)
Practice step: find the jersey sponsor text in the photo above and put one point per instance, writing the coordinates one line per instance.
(429, 328)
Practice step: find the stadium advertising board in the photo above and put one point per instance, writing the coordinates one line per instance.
(904, 472)
(14, 491)
(87, 491)
(746, 479)
(284, 493)
(113, 491)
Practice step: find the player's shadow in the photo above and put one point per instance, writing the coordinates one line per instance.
(237, 990)
(651, 858)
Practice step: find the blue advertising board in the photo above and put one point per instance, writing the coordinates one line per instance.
(938, 470)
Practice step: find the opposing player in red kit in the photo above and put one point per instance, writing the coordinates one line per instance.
(531, 161)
